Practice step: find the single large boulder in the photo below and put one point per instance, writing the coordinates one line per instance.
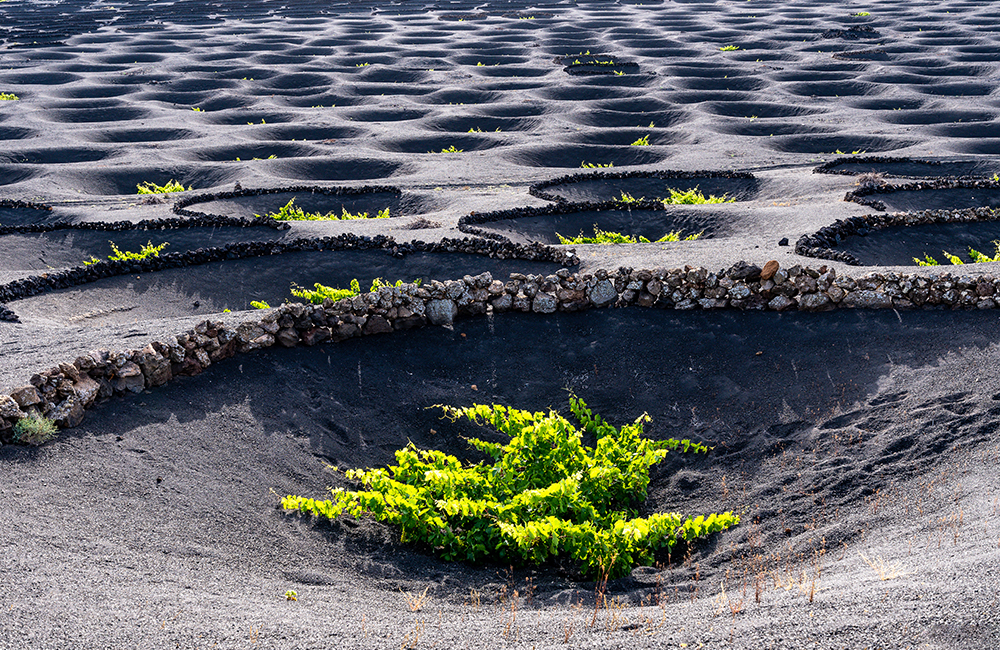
(68, 413)
(26, 396)
(543, 303)
(744, 271)
(9, 408)
(155, 367)
(866, 299)
(780, 303)
(815, 302)
(769, 270)
(287, 337)
(603, 293)
(129, 379)
(86, 389)
(377, 325)
(441, 312)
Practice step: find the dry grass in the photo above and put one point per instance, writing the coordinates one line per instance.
(421, 223)
(416, 603)
(883, 569)
(411, 639)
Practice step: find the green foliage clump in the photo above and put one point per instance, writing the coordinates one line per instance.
(693, 197)
(729, 48)
(546, 494)
(450, 149)
(641, 142)
(34, 430)
(118, 255)
(586, 165)
(677, 197)
(605, 237)
(974, 255)
(259, 304)
(321, 293)
(9, 97)
(153, 188)
(290, 212)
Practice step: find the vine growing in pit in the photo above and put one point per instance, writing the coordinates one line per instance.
(546, 494)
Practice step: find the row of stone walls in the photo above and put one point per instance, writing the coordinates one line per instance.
(64, 393)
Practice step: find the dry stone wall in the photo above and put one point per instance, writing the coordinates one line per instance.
(64, 393)
(822, 243)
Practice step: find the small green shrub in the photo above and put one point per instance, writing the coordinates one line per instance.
(586, 165)
(118, 255)
(153, 188)
(450, 149)
(34, 430)
(974, 255)
(9, 97)
(693, 197)
(628, 198)
(605, 237)
(259, 304)
(729, 48)
(641, 142)
(545, 495)
(290, 212)
(321, 293)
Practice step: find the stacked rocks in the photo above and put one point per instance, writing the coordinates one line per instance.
(862, 195)
(27, 287)
(65, 392)
(204, 221)
(820, 244)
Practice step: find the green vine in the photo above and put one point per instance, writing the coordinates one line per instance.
(291, 212)
(118, 255)
(545, 495)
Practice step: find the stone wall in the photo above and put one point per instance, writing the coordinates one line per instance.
(64, 393)
(867, 195)
(182, 206)
(34, 285)
(821, 243)
(541, 190)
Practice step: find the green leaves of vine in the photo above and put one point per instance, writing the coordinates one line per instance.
(545, 495)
